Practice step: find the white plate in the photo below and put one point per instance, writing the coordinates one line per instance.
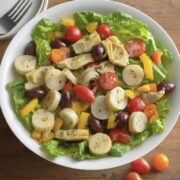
(66, 10)
(36, 8)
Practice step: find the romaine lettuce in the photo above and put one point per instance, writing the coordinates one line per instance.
(17, 92)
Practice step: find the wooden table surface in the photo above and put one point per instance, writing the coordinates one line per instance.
(17, 162)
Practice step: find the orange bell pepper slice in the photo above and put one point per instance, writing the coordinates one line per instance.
(151, 112)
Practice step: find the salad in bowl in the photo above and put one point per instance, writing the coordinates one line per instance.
(92, 86)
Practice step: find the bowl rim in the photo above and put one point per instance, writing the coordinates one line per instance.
(5, 109)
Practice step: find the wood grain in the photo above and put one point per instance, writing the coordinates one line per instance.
(17, 162)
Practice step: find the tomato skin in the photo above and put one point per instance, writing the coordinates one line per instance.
(160, 162)
(136, 104)
(132, 176)
(72, 34)
(84, 94)
(119, 135)
(140, 166)
(135, 47)
(108, 80)
(104, 31)
(68, 87)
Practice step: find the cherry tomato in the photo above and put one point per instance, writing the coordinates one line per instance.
(141, 166)
(136, 104)
(132, 176)
(73, 34)
(160, 162)
(104, 31)
(108, 80)
(119, 135)
(84, 94)
(68, 87)
(135, 47)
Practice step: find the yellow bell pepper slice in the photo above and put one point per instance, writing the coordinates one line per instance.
(29, 107)
(148, 68)
(111, 122)
(148, 88)
(67, 22)
(58, 124)
(77, 107)
(83, 120)
(91, 27)
(130, 94)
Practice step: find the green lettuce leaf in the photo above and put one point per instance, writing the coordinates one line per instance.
(118, 149)
(159, 125)
(17, 92)
(45, 27)
(80, 151)
(43, 50)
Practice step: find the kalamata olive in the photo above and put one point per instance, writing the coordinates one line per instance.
(95, 125)
(30, 49)
(167, 87)
(56, 44)
(38, 92)
(122, 119)
(98, 52)
(65, 99)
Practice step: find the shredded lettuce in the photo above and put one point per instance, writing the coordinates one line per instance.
(17, 92)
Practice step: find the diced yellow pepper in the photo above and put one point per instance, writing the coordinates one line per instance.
(130, 94)
(29, 107)
(91, 27)
(67, 22)
(83, 120)
(148, 68)
(51, 36)
(58, 124)
(76, 106)
(111, 122)
(148, 88)
(36, 134)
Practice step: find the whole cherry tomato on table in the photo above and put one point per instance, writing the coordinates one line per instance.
(160, 162)
(135, 47)
(141, 166)
(108, 81)
(84, 94)
(104, 31)
(72, 34)
(132, 176)
(136, 104)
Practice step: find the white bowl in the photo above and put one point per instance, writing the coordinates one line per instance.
(16, 48)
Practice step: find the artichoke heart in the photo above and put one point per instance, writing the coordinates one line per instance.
(105, 66)
(86, 44)
(116, 51)
(89, 75)
(76, 62)
(72, 135)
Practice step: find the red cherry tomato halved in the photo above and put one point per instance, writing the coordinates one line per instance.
(132, 176)
(73, 34)
(135, 47)
(104, 31)
(136, 104)
(108, 80)
(84, 94)
(118, 135)
(141, 166)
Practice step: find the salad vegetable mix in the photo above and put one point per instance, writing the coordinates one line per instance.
(92, 86)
